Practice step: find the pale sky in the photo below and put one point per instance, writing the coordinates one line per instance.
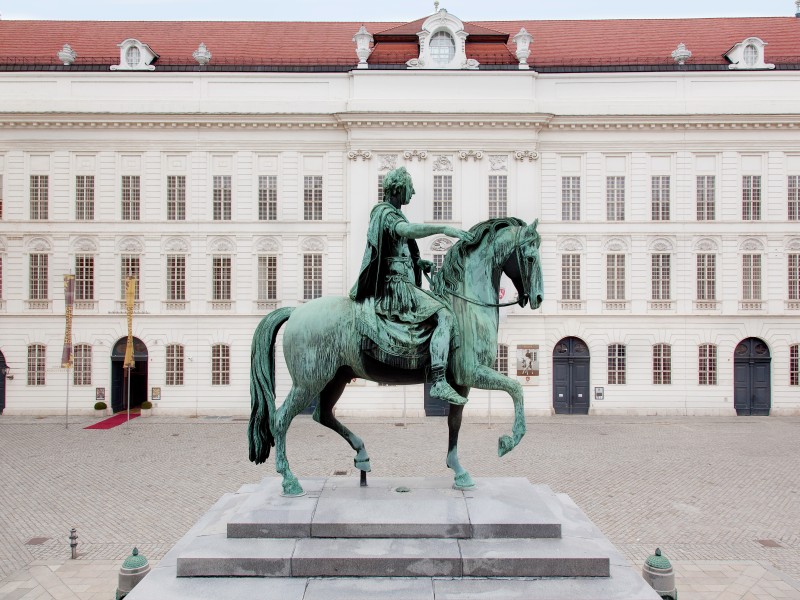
(383, 10)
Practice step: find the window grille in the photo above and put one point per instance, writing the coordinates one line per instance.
(442, 197)
(662, 364)
(794, 364)
(223, 198)
(222, 272)
(174, 366)
(176, 197)
(84, 277)
(312, 197)
(571, 198)
(84, 197)
(751, 277)
(751, 197)
(615, 198)
(660, 197)
(570, 276)
(706, 197)
(38, 276)
(706, 277)
(794, 276)
(267, 197)
(267, 278)
(82, 365)
(36, 364)
(176, 277)
(312, 276)
(661, 275)
(498, 196)
(794, 197)
(131, 198)
(615, 277)
(39, 197)
(617, 365)
(708, 364)
(220, 364)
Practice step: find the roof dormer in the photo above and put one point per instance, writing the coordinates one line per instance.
(442, 44)
(748, 55)
(134, 56)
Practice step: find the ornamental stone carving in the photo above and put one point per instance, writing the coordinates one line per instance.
(84, 244)
(221, 245)
(130, 246)
(467, 154)
(529, 155)
(445, 31)
(362, 154)
(661, 245)
(388, 162)
(706, 245)
(571, 245)
(202, 55)
(67, 55)
(313, 244)
(441, 245)
(2, 245)
(176, 246)
(418, 154)
(752, 245)
(793, 245)
(442, 163)
(267, 245)
(498, 162)
(616, 245)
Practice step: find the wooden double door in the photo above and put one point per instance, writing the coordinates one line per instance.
(571, 377)
(751, 378)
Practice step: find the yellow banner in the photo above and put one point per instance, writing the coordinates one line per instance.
(130, 298)
(69, 300)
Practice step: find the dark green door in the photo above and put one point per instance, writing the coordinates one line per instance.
(751, 378)
(571, 377)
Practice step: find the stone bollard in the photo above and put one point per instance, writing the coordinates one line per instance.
(658, 573)
(132, 572)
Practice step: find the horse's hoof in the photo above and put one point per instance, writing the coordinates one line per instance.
(292, 489)
(463, 482)
(504, 445)
(362, 465)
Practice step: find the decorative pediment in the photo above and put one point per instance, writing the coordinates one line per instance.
(751, 245)
(267, 245)
(39, 245)
(443, 163)
(442, 44)
(221, 246)
(748, 54)
(441, 245)
(571, 245)
(130, 246)
(176, 246)
(661, 245)
(792, 245)
(84, 245)
(706, 245)
(313, 244)
(134, 56)
(616, 245)
(387, 162)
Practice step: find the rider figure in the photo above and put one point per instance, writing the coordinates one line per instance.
(391, 275)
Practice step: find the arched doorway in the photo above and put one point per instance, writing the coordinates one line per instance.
(571, 377)
(751, 378)
(3, 368)
(119, 375)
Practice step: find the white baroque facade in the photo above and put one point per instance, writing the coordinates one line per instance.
(667, 200)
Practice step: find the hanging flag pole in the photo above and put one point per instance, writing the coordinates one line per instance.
(66, 353)
(130, 297)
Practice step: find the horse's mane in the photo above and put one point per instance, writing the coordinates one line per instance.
(452, 271)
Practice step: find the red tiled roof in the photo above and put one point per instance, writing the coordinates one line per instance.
(556, 43)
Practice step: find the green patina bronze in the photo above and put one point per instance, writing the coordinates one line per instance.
(390, 330)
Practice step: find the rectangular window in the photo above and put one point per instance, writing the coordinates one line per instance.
(174, 365)
(220, 365)
(38, 277)
(794, 276)
(223, 198)
(794, 364)
(616, 364)
(312, 197)
(39, 197)
(501, 362)
(82, 365)
(131, 197)
(1, 196)
(176, 277)
(176, 197)
(380, 187)
(615, 198)
(751, 277)
(222, 272)
(794, 197)
(84, 277)
(707, 364)
(438, 260)
(706, 198)
(498, 196)
(751, 197)
(660, 197)
(570, 276)
(442, 197)
(615, 277)
(129, 267)
(706, 276)
(1, 276)
(267, 197)
(312, 276)
(661, 271)
(84, 197)
(662, 364)
(267, 278)
(36, 364)
(571, 198)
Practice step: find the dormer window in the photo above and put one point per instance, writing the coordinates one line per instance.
(748, 54)
(134, 56)
(443, 48)
(442, 44)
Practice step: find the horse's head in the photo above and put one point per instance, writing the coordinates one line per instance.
(524, 267)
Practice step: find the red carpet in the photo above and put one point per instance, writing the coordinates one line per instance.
(110, 422)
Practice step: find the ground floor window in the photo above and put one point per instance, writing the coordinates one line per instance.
(36, 364)
(220, 365)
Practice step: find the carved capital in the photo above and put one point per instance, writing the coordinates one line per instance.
(529, 155)
(473, 154)
(418, 154)
(362, 154)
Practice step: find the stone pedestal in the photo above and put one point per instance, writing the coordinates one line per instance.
(397, 538)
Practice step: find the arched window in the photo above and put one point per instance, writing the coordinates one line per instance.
(443, 48)
(174, 366)
(82, 365)
(220, 364)
(750, 55)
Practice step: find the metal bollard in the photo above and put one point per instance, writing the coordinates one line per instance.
(73, 542)
(133, 570)
(658, 573)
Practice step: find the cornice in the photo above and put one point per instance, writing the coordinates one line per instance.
(172, 121)
(674, 122)
(452, 120)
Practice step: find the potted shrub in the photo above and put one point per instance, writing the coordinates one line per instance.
(147, 408)
(100, 409)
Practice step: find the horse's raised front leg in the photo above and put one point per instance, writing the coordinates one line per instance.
(487, 378)
(324, 416)
(462, 479)
(297, 400)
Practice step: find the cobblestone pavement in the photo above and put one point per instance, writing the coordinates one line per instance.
(720, 496)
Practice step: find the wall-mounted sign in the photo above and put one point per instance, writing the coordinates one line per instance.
(156, 394)
(599, 393)
(528, 363)
(99, 394)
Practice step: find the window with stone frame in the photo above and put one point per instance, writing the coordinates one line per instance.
(131, 197)
(39, 193)
(267, 197)
(442, 47)
(222, 277)
(267, 278)
(662, 364)
(570, 276)
(660, 197)
(312, 197)
(220, 364)
(571, 198)
(707, 364)
(706, 277)
(37, 364)
(751, 197)
(176, 197)
(380, 187)
(793, 277)
(661, 275)
(617, 364)
(794, 364)
(1, 276)
(84, 277)
(442, 197)
(498, 196)
(174, 367)
(84, 197)
(437, 258)
(615, 198)
(751, 277)
(615, 277)
(176, 277)
(1, 196)
(793, 186)
(501, 361)
(38, 277)
(222, 197)
(312, 276)
(129, 267)
(82, 365)
(706, 198)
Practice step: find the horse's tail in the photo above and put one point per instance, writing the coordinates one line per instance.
(262, 384)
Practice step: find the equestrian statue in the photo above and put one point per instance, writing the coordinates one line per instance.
(391, 330)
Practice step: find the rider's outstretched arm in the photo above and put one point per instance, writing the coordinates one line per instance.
(414, 231)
